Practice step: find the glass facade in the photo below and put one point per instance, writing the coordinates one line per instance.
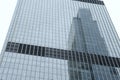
(60, 40)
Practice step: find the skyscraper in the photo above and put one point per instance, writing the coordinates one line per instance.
(60, 40)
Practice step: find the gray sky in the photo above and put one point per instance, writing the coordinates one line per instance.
(7, 8)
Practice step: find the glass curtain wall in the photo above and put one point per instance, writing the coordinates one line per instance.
(60, 40)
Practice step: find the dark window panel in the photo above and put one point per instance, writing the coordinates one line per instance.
(108, 61)
(8, 46)
(85, 57)
(23, 48)
(20, 48)
(90, 59)
(115, 62)
(31, 50)
(28, 49)
(81, 57)
(118, 61)
(39, 51)
(66, 55)
(99, 58)
(36, 50)
(43, 51)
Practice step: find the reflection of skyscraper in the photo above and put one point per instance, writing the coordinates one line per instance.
(60, 40)
(86, 35)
